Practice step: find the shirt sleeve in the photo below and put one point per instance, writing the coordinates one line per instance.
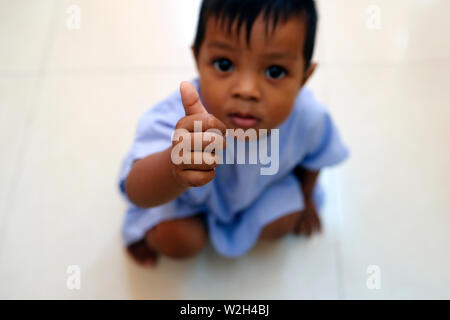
(325, 146)
(153, 134)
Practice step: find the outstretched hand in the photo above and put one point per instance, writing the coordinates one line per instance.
(198, 162)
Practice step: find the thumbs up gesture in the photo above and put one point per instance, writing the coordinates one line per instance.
(196, 139)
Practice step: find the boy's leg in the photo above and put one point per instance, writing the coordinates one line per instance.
(142, 253)
(280, 227)
(176, 238)
(303, 222)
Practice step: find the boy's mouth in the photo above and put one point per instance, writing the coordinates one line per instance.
(245, 120)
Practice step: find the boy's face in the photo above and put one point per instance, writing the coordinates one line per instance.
(252, 86)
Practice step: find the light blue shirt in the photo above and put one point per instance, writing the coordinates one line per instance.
(239, 201)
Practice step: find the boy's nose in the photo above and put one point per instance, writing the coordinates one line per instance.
(246, 88)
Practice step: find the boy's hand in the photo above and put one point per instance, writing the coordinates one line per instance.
(198, 164)
(309, 220)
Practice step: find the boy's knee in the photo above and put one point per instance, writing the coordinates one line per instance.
(280, 227)
(178, 238)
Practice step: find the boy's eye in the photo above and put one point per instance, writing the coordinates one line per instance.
(275, 72)
(223, 65)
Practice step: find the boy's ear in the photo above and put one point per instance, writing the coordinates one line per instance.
(309, 72)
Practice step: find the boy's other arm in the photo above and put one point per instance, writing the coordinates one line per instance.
(309, 221)
(308, 180)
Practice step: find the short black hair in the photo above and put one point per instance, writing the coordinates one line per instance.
(248, 10)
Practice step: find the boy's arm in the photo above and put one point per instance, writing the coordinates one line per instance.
(151, 182)
(155, 179)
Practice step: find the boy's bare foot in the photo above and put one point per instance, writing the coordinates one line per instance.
(142, 253)
(308, 221)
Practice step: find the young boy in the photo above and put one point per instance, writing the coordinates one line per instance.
(253, 58)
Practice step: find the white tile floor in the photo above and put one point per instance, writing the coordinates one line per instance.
(69, 102)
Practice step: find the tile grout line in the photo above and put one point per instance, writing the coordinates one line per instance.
(338, 243)
(338, 222)
(31, 115)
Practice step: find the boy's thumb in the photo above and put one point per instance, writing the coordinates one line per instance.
(191, 99)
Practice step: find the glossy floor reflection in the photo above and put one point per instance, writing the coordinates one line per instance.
(69, 102)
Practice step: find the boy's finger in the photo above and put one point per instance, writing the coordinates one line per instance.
(196, 178)
(207, 139)
(211, 140)
(208, 161)
(191, 99)
(208, 121)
